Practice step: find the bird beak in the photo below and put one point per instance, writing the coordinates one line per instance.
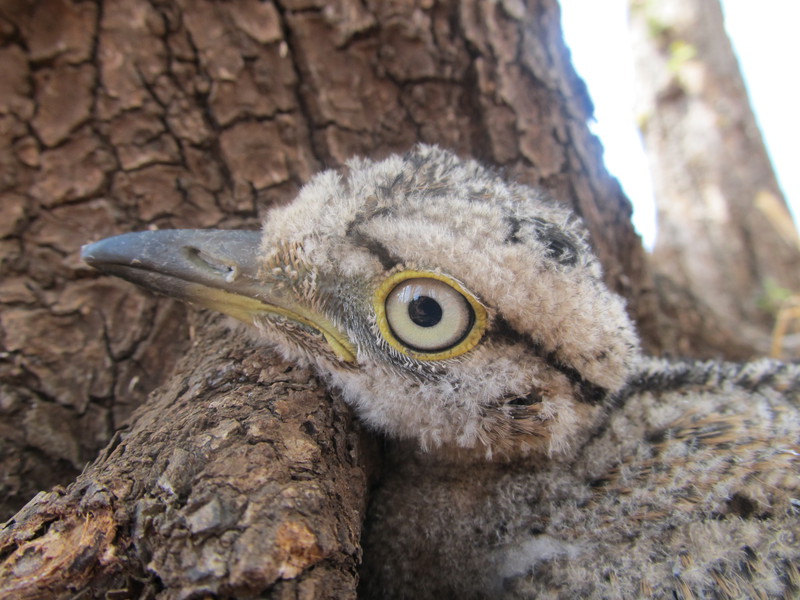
(217, 269)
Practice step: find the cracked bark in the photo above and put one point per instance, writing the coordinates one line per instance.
(218, 487)
(238, 476)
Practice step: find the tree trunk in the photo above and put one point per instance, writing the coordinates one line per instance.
(724, 231)
(238, 476)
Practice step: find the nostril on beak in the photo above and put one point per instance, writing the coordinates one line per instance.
(227, 270)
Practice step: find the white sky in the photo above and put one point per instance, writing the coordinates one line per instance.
(764, 36)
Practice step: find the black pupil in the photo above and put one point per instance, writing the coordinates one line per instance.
(424, 311)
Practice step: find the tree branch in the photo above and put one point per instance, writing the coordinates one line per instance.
(240, 475)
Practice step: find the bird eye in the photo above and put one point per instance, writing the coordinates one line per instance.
(428, 316)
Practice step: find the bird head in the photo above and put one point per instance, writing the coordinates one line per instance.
(448, 306)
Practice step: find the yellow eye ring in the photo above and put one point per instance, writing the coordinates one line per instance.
(428, 316)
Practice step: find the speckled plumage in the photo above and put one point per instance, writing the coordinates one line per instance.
(550, 460)
(686, 488)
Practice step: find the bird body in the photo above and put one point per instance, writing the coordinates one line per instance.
(533, 452)
(687, 488)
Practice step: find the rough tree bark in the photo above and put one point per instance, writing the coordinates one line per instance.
(238, 476)
(218, 487)
(724, 231)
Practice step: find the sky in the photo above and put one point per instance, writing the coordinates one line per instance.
(764, 37)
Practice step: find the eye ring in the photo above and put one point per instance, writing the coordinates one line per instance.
(428, 316)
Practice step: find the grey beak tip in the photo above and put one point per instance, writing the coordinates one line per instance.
(100, 252)
(87, 255)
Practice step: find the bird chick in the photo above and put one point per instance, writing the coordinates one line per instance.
(533, 451)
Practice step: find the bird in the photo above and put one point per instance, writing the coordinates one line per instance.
(532, 449)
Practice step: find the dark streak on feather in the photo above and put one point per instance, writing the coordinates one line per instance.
(387, 259)
(586, 391)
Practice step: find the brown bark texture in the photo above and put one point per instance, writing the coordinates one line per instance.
(725, 234)
(239, 476)
(218, 488)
